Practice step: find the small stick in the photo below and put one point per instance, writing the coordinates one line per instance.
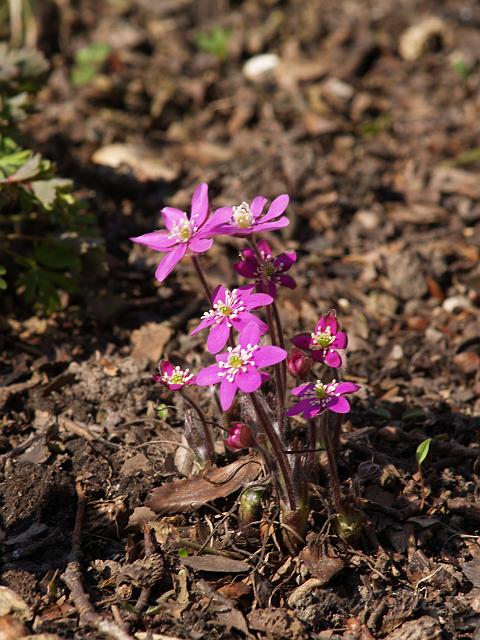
(74, 580)
(149, 549)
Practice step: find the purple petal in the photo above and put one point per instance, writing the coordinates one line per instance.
(333, 359)
(302, 340)
(157, 240)
(312, 410)
(208, 376)
(217, 338)
(166, 367)
(317, 356)
(287, 281)
(172, 217)
(250, 380)
(264, 248)
(340, 341)
(347, 387)
(327, 321)
(249, 254)
(200, 204)
(200, 245)
(203, 324)
(266, 356)
(338, 405)
(227, 393)
(245, 268)
(249, 335)
(284, 261)
(300, 407)
(219, 217)
(169, 262)
(257, 204)
(218, 294)
(302, 388)
(277, 207)
(256, 300)
(271, 226)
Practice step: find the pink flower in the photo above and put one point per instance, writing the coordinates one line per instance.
(298, 364)
(237, 368)
(268, 271)
(172, 376)
(318, 397)
(322, 344)
(231, 309)
(249, 218)
(183, 233)
(240, 436)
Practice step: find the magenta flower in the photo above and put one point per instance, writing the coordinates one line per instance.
(249, 218)
(183, 233)
(237, 368)
(322, 344)
(172, 376)
(231, 309)
(298, 364)
(268, 271)
(240, 436)
(317, 397)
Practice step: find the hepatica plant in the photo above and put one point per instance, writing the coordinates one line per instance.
(253, 361)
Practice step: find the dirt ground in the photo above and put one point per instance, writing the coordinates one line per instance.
(373, 130)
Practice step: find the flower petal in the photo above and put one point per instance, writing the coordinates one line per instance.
(300, 407)
(172, 217)
(266, 356)
(200, 204)
(302, 388)
(338, 405)
(341, 341)
(347, 387)
(245, 268)
(218, 294)
(227, 393)
(264, 248)
(284, 261)
(257, 205)
(219, 217)
(333, 359)
(166, 367)
(203, 324)
(287, 281)
(208, 376)
(302, 340)
(249, 380)
(256, 300)
(200, 245)
(327, 321)
(271, 226)
(277, 207)
(157, 240)
(169, 262)
(249, 335)
(218, 336)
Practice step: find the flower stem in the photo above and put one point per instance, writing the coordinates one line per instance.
(281, 342)
(209, 444)
(277, 448)
(202, 278)
(334, 480)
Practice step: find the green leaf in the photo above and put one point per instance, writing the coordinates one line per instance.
(28, 171)
(47, 190)
(62, 254)
(3, 271)
(422, 450)
(183, 553)
(216, 42)
(3, 284)
(88, 62)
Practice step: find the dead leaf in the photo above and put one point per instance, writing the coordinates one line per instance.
(471, 570)
(10, 602)
(215, 564)
(233, 619)
(191, 493)
(149, 341)
(278, 622)
(136, 463)
(141, 515)
(11, 628)
(321, 566)
(235, 590)
(144, 161)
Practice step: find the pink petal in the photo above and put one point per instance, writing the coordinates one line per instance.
(249, 381)
(302, 340)
(256, 205)
(245, 318)
(284, 261)
(203, 324)
(317, 356)
(266, 356)
(166, 367)
(300, 407)
(157, 240)
(264, 248)
(200, 204)
(347, 387)
(218, 294)
(245, 268)
(300, 390)
(327, 321)
(256, 300)
(339, 405)
(200, 245)
(271, 226)
(277, 207)
(172, 217)
(341, 341)
(170, 261)
(219, 217)
(333, 359)
(287, 281)
(208, 376)
(227, 394)
(218, 336)
(249, 335)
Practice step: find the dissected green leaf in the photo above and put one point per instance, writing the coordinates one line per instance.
(47, 190)
(422, 450)
(58, 255)
(28, 171)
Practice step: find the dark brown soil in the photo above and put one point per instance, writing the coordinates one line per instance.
(380, 155)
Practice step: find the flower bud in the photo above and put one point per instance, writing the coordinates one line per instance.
(240, 436)
(298, 364)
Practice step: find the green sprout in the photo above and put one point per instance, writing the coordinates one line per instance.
(421, 454)
(216, 42)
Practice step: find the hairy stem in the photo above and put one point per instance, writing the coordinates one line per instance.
(202, 278)
(209, 444)
(334, 480)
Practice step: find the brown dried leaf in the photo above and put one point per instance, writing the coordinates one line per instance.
(215, 564)
(149, 341)
(320, 566)
(471, 570)
(191, 493)
(11, 602)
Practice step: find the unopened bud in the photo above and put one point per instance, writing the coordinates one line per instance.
(240, 436)
(298, 364)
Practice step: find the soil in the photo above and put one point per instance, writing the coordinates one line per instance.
(373, 131)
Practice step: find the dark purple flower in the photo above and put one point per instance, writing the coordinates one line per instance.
(173, 376)
(240, 436)
(268, 272)
(237, 368)
(298, 364)
(249, 218)
(183, 233)
(231, 309)
(317, 397)
(323, 343)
